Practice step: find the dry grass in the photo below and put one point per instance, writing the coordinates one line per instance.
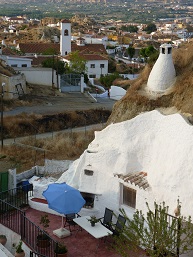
(64, 146)
(25, 124)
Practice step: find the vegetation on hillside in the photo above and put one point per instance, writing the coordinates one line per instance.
(180, 96)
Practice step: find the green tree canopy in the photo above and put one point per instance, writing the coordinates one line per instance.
(149, 52)
(108, 79)
(131, 51)
(56, 64)
(77, 63)
(50, 51)
(151, 27)
(131, 28)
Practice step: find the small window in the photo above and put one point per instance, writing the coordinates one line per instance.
(102, 65)
(169, 50)
(65, 32)
(66, 53)
(88, 172)
(24, 65)
(13, 65)
(163, 50)
(93, 76)
(92, 65)
(128, 196)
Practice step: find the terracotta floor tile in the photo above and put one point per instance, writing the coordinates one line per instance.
(79, 244)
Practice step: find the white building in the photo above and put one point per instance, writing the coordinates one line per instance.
(163, 74)
(147, 159)
(65, 37)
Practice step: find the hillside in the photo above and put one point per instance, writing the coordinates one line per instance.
(178, 99)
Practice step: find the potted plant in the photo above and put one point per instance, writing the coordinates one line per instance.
(3, 239)
(60, 250)
(93, 220)
(19, 251)
(42, 238)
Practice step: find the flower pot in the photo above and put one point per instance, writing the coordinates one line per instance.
(92, 224)
(3, 240)
(43, 241)
(22, 254)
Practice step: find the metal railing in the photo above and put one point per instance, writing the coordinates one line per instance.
(15, 219)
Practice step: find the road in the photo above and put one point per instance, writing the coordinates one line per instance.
(58, 104)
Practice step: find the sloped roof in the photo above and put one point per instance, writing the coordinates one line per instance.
(89, 48)
(136, 178)
(38, 47)
(89, 57)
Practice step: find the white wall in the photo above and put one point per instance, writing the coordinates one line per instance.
(12, 61)
(97, 70)
(116, 93)
(39, 76)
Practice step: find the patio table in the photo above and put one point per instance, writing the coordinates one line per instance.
(98, 231)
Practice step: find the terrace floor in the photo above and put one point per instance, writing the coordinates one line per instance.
(81, 243)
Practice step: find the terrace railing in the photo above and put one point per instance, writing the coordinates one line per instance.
(15, 219)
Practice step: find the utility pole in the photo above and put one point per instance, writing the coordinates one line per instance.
(53, 71)
(2, 94)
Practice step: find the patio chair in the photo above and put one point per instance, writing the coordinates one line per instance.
(119, 226)
(107, 219)
(69, 221)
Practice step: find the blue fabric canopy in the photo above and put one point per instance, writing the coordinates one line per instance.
(63, 198)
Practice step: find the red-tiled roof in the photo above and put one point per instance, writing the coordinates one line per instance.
(89, 48)
(89, 57)
(65, 21)
(37, 61)
(136, 178)
(8, 51)
(38, 48)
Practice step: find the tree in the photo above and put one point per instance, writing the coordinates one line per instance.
(131, 28)
(77, 63)
(151, 27)
(57, 65)
(131, 51)
(158, 232)
(107, 80)
(50, 51)
(149, 52)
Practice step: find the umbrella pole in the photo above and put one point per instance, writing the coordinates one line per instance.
(62, 222)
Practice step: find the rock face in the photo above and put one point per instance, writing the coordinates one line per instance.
(179, 97)
(163, 73)
(159, 145)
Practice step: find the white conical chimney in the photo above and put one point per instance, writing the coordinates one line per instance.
(163, 73)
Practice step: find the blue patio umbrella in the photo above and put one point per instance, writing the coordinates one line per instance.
(63, 198)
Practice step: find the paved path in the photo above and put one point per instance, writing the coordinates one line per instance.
(68, 102)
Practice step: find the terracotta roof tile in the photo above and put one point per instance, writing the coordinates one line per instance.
(136, 178)
(90, 48)
(90, 57)
(38, 48)
(65, 21)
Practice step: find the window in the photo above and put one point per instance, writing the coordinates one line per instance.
(24, 65)
(93, 76)
(92, 65)
(88, 172)
(13, 65)
(169, 50)
(163, 50)
(66, 53)
(128, 196)
(102, 66)
(65, 32)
